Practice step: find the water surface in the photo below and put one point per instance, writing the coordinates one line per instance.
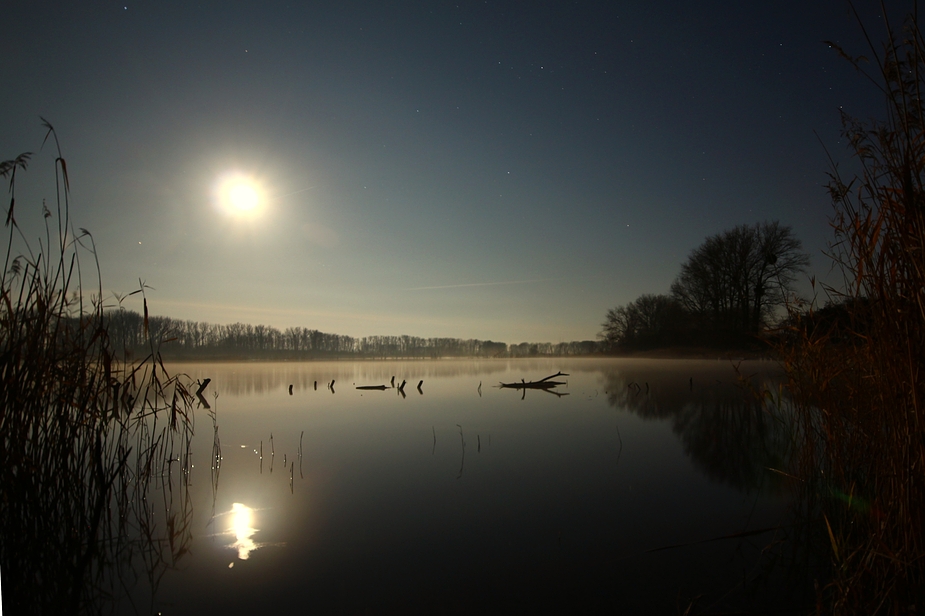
(463, 497)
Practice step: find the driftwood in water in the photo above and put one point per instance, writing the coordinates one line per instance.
(546, 383)
(202, 386)
(400, 388)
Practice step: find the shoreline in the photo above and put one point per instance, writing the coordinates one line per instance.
(694, 353)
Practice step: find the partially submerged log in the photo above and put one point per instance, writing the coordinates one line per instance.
(546, 383)
(401, 387)
(202, 386)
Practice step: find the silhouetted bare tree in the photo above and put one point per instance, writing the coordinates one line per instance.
(649, 320)
(732, 282)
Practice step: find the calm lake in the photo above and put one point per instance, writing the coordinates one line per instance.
(465, 497)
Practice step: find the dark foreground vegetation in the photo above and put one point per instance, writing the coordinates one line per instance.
(86, 441)
(857, 367)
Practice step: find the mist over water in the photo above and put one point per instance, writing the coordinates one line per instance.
(463, 495)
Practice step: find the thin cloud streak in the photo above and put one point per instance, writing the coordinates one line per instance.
(277, 198)
(480, 284)
(245, 311)
(234, 313)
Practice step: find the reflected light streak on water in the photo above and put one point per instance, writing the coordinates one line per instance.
(240, 527)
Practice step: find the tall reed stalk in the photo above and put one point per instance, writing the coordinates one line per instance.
(86, 440)
(857, 368)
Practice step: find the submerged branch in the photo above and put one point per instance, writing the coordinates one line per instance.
(545, 383)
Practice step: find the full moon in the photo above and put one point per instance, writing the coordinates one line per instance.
(243, 197)
(239, 195)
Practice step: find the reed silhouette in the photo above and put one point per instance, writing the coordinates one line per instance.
(87, 438)
(858, 376)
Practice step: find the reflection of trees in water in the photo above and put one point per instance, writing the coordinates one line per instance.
(722, 422)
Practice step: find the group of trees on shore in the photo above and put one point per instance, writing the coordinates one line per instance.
(198, 339)
(725, 295)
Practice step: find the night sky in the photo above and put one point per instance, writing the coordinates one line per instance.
(494, 170)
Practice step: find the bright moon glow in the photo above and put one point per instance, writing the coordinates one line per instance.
(240, 196)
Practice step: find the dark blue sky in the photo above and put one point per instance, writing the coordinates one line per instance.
(503, 170)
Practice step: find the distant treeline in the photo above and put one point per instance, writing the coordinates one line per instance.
(181, 339)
